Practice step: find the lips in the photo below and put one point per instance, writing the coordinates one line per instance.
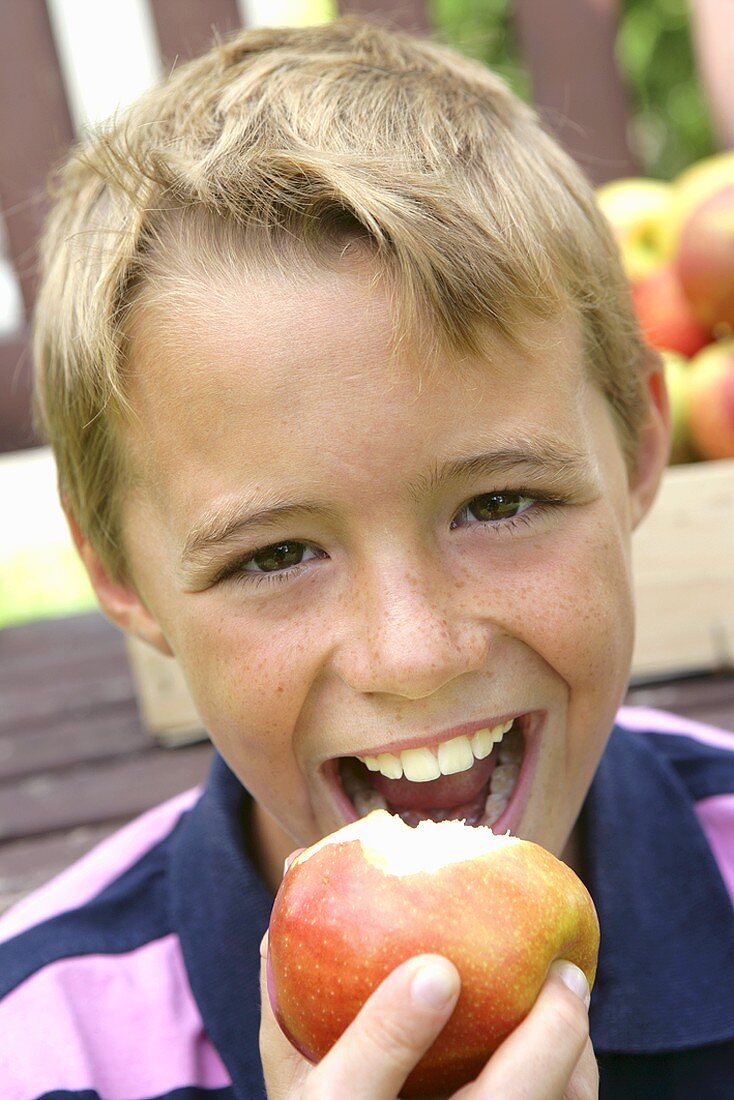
(479, 794)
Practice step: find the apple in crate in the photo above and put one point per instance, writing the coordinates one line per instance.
(677, 380)
(638, 210)
(705, 259)
(377, 892)
(665, 315)
(711, 400)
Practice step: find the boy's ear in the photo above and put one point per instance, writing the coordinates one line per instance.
(653, 442)
(118, 598)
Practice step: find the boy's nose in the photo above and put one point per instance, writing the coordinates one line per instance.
(410, 637)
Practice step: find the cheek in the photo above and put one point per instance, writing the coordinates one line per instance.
(248, 677)
(570, 602)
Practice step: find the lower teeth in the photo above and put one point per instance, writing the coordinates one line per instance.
(501, 784)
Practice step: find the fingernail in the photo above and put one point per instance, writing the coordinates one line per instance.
(573, 978)
(289, 859)
(435, 985)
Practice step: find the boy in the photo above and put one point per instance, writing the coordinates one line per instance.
(352, 416)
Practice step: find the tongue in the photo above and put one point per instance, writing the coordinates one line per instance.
(445, 792)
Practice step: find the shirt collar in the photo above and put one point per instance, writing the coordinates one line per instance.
(221, 908)
(666, 964)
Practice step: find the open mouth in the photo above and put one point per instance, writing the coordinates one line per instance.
(474, 778)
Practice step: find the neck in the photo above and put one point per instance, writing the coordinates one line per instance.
(269, 846)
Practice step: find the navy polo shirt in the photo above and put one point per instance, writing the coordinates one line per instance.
(137, 972)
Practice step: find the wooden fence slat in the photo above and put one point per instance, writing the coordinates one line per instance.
(409, 15)
(35, 128)
(569, 47)
(16, 427)
(186, 28)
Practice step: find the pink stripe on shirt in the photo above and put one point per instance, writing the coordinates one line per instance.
(86, 1023)
(96, 870)
(716, 816)
(659, 721)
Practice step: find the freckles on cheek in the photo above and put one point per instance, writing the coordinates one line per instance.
(576, 610)
(602, 615)
(248, 685)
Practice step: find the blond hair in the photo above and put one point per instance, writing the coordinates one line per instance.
(283, 144)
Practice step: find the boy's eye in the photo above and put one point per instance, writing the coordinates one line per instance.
(281, 555)
(494, 507)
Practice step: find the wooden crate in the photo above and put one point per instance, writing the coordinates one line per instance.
(683, 560)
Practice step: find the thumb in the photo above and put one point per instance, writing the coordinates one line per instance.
(391, 1033)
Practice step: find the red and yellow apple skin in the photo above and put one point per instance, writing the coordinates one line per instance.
(665, 315)
(705, 259)
(711, 401)
(691, 189)
(340, 925)
(677, 380)
(638, 210)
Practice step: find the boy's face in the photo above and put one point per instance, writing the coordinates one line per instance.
(352, 556)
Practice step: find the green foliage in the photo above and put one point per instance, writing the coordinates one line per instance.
(482, 29)
(670, 126)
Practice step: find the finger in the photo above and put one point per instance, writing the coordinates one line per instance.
(392, 1032)
(284, 1069)
(584, 1083)
(548, 1050)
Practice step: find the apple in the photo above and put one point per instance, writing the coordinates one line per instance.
(638, 211)
(666, 318)
(711, 400)
(677, 379)
(691, 189)
(705, 259)
(377, 892)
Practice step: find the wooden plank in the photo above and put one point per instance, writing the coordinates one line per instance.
(93, 686)
(708, 699)
(60, 670)
(56, 641)
(100, 792)
(31, 862)
(683, 558)
(68, 740)
(186, 28)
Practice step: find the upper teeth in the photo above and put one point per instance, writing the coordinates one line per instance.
(421, 765)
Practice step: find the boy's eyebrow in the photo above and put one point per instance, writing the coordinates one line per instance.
(220, 525)
(537, 460)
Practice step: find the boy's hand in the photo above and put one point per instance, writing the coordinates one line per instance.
(548, 1057)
